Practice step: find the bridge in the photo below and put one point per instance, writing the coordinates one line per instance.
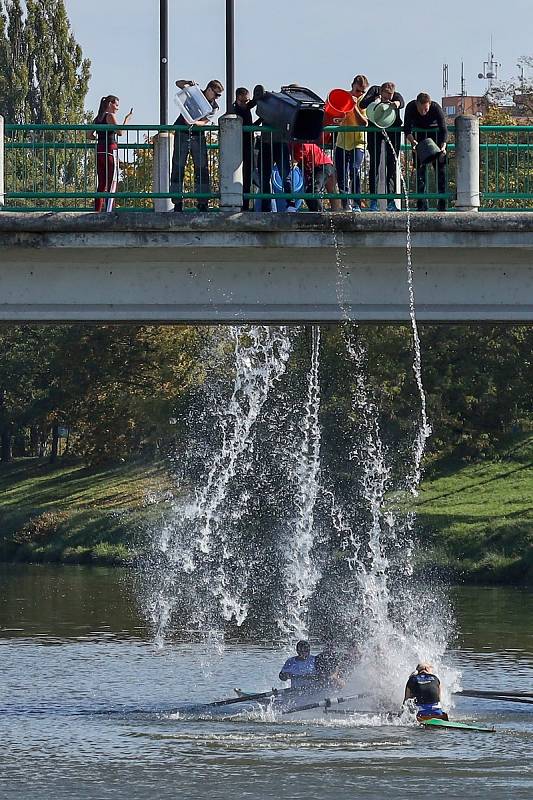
(272, 268)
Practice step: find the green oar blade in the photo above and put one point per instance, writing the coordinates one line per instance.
(462, 726)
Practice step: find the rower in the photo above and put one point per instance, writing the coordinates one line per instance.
(423, 687)
(300, 669)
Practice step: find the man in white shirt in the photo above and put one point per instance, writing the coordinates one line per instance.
(300, 669)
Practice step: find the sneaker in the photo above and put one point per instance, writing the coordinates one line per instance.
(356, 209)
(374, 205)
(391, 206)
(292, 209)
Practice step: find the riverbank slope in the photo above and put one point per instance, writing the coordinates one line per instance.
(475, 521)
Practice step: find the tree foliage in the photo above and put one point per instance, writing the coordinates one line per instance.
(43, 75)
(120, 389)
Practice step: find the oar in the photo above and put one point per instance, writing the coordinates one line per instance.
(325, 704)
(489, 693)
(260, 695)
(496, 697)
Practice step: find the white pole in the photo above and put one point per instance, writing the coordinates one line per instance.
(467, 162)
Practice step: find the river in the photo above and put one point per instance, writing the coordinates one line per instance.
(88, 707)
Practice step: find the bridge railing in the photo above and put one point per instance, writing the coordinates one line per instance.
(56, 167)
(351, 179)
(506, 167)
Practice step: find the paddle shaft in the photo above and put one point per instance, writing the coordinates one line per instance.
(232, 700)
(326, 703)
(489, 693)
(480, 696)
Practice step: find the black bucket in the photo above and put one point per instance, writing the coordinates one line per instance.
(427, 151)
(296, 113)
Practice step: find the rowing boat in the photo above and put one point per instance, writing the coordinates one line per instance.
(461, 726)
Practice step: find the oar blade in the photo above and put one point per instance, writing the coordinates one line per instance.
(459, 726)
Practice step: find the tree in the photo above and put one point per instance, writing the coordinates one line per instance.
(43, 75)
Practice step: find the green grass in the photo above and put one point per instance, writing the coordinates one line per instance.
(76, 514)
(477, 520)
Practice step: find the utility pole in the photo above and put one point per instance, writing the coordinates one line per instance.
(163, 62)
(230, 54)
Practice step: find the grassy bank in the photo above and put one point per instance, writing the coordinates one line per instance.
(476, 521)
(75, 514)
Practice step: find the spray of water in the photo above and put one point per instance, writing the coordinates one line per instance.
(424, 429)
(197, 570)
(301, 572)
(397, 622)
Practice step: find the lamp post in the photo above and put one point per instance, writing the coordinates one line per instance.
(163, 62)
(230, 54)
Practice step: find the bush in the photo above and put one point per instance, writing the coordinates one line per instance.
(40, 529)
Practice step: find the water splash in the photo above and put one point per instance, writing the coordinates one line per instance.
(197, 569)
(301, 572)
(424, 429)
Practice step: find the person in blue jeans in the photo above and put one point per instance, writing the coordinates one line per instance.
(193, 141)
(350, 147)
(386, 93)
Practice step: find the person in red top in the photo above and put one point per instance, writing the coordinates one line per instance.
(107, 166)
(318, 171)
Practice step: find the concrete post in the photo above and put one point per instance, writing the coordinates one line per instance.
(2, 188)
(163, 143)
(467, 162)
(230, 163)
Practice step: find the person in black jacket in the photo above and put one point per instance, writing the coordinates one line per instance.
(386, 93)
(423, 687)
(242, 107)
(427, 116)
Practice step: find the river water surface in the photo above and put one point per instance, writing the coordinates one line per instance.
(88, 707)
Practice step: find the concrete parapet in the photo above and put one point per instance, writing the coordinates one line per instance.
(163, 143)
(230, 162)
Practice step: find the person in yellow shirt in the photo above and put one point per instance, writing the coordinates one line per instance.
(350, 147)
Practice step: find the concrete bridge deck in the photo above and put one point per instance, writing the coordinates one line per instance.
(220, 268)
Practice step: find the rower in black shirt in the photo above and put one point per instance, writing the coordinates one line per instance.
(423, 687)
(427, 116)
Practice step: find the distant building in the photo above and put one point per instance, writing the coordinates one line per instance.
(463, 104)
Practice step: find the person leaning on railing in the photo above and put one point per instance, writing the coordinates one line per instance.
(386, 93)
(318, 171)
(350, 146)
(243, 108)
(107, 150)
(424, 118)
(193, 141)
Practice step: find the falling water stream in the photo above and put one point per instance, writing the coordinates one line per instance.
(203, 560)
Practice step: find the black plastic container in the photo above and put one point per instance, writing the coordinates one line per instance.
(296, 113)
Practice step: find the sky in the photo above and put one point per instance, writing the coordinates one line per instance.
(314, 43)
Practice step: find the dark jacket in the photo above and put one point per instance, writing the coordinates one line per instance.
(372, 94)
(432, 124)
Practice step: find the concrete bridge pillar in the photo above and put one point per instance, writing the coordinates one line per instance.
(467, 162)
(163, 145)
(230, 163)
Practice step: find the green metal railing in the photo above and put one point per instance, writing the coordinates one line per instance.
(54, 167)
(506, 167)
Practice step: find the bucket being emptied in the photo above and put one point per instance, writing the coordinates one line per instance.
(380, 114)
(427, 151)
(338, 105)
(192, 104)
